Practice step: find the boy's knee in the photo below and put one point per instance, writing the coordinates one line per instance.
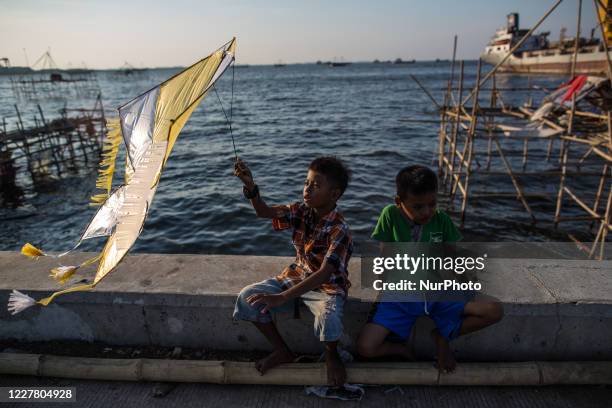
(494, 312)
(366, 347)
(241, 302)
(247, 291)
(244, 293)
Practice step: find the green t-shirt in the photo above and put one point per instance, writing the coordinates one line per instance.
(393, 227)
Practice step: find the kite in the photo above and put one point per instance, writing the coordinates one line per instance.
(149, 126)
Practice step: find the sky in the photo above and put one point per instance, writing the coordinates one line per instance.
(163, 33)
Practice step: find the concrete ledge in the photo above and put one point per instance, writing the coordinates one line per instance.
(554, 310)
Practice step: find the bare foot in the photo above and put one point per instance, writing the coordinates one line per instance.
(445, 360)
(273, 359)
(336, 373)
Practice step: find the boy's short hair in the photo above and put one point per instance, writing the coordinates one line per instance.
(334, 169)
(415, 180)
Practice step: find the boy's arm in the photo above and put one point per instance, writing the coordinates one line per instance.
(340, 243)
(242, 171)
(312, 282)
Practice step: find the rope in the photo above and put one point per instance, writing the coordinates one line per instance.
(229, 119)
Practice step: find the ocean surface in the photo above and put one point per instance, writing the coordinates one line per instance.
(282, 118)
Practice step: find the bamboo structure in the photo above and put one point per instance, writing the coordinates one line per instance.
(49, 82)
(55, 85)
(232, 372)
(50, 148)
(491, 138)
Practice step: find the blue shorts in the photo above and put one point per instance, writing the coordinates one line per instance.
(399, 317)
(327, 309)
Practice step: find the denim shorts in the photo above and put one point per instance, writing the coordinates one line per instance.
(327, 309)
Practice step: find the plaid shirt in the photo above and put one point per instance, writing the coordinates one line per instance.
(329, 240)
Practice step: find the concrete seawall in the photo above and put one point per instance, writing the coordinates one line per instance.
(554, 310)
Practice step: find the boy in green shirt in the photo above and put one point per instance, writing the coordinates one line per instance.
(414, 218)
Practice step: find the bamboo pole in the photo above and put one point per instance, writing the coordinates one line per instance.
(603, 38)
(591, 115)
(442, 137)
(529, 98)
(454, 175)
(586, 208)
(564, 152)
(516, 114)
(602, 154)
(579, 218)
(429, 95)
(466, 145)
(460, 117)
(525, 152)
(455, 129)
(470, 141)
(56, 160)
(602, 180)
(583, 141)
(606, 220)
(577, 40)
(609, 130)
(229, 372)
(585, 156)
(517, 186)
(578, 243)
(449, 91)
(596, 241)
(443, 126)
(491, 123)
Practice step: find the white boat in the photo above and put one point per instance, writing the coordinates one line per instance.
(538, 55)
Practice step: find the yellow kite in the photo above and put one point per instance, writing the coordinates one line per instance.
(149, 126)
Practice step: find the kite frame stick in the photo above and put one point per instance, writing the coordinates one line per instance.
(224, 46)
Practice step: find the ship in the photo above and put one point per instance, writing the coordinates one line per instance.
(539, 55)
(338, 62)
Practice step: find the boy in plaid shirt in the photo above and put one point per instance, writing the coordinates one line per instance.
(318, 276)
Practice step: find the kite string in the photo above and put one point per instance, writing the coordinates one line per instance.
(232, 98)
(229, 119)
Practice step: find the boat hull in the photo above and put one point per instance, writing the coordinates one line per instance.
(560, 64)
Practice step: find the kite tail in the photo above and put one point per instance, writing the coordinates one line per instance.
(107, 164)
(31, 251)
(18, 302)
(63, 273)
